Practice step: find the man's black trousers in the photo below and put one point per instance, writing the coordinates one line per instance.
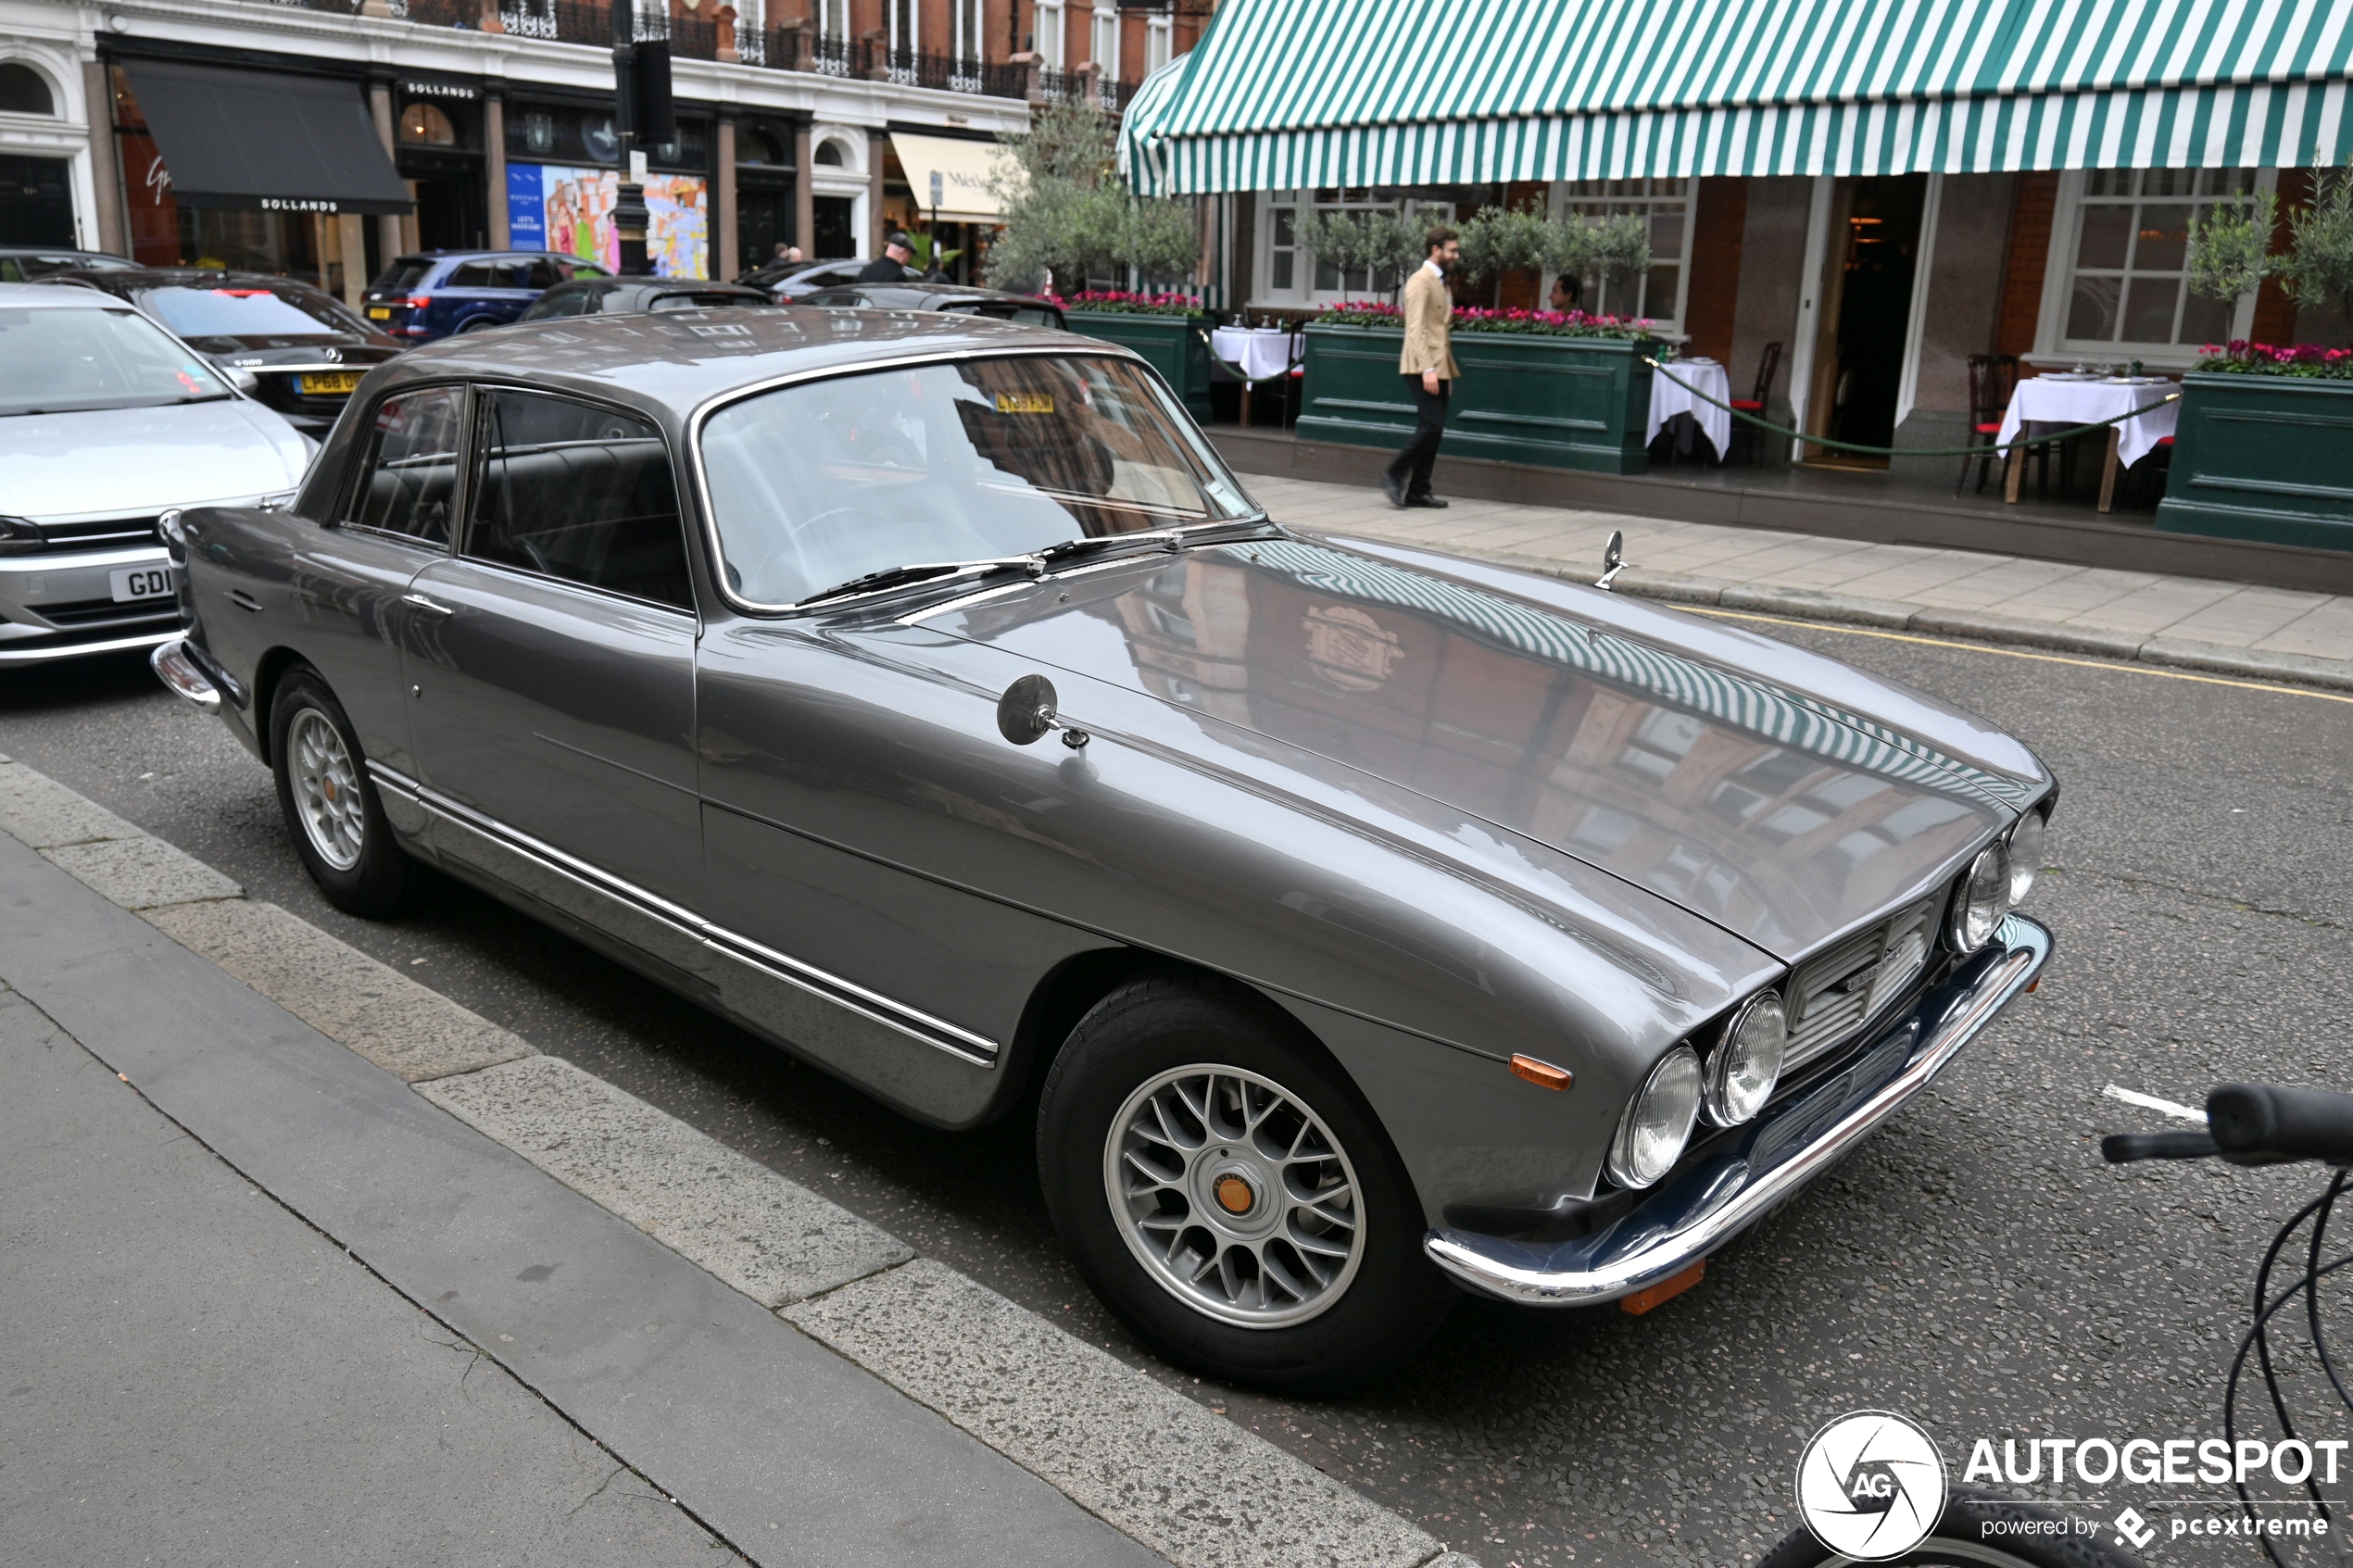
(1413, 465)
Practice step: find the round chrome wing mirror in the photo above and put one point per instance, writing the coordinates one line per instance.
(1026, 710)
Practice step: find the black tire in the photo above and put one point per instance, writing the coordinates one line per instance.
(377, 879)
(1960, 1540)
(1363, 1321)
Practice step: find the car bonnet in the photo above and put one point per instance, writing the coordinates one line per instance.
(1775, 811)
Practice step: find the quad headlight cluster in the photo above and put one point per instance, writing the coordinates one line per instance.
(1997, 882)
(1728, 1086)
(1730, 1080)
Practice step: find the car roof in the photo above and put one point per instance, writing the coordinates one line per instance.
(48, 297)
(168, 277)
(672, 362)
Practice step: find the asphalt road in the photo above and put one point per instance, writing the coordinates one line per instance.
(1974, 1266)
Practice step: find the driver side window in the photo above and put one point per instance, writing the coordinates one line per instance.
(583, 493)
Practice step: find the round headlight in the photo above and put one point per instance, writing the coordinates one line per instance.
(1745, 1066)
(1651, 1133)
(1983, 899)
(2026, 854)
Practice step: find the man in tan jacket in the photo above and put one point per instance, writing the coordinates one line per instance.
(1429, 367)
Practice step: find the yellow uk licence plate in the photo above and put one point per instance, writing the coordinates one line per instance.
(380, 312)
(329, 382)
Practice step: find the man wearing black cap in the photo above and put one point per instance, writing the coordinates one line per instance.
(891, 266)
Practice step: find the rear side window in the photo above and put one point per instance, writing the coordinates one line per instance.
(537, 275)
(405, 273)
(477, 275)
(408, 478)
(578, 493)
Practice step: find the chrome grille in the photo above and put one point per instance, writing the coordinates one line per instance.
(1833, 995)
(108, 533)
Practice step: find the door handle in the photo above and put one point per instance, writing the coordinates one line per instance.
(429, 606)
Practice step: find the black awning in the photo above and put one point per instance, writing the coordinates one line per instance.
(259, 141)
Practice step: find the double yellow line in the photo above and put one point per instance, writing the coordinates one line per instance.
(2021, 653)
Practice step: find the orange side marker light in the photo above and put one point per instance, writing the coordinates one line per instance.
(1544, 1074)
(1643, 1301)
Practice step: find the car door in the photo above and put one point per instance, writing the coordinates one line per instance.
(338, 592)
(552, 669)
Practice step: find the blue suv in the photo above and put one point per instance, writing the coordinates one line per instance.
(423, 297)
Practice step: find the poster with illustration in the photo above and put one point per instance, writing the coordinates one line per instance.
(569, 211)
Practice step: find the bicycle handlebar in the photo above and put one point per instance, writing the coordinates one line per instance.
(2263, 1124)
(2252, 1124)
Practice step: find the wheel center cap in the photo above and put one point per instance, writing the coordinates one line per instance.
(327, 787)
(1235, 1195)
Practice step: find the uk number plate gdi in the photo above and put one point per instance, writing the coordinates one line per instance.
(140, 582)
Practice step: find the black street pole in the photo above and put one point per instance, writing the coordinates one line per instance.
(629, 215)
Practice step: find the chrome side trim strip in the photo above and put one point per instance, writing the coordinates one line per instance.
(938, 1033)
(1702, 1209)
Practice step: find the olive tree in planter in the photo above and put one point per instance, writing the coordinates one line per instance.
(1068, 216)
(1537, 386)
(2264, 448)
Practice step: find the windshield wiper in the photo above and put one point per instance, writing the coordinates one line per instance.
(1166, 538)
(897, 576)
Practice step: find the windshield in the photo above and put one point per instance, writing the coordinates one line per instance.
(244, 310)
(816, 484)
(56, 362)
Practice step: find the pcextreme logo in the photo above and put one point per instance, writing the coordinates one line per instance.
(1870, 1486)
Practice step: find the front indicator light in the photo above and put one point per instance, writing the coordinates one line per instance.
(1657, 1123)
(1982, 900)
(2026, 854)
(1746, 1063)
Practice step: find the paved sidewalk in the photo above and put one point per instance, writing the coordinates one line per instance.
(2270, 634)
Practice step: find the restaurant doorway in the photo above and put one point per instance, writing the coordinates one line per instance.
(1871, 254)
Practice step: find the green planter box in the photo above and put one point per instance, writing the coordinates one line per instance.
(1178, 346)
(1560, 402)
(2267, 457)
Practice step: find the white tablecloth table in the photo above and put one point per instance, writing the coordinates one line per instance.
(1262, 354)
(2046, 401)
(1669, 399)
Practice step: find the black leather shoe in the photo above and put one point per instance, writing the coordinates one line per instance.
(1422, 501)
(1394, 488)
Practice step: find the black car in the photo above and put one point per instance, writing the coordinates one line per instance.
(305, 349)
(623, 296)
(961, 299)
(792, 280)
(25, 264)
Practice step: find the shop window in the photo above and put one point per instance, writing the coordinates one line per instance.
(24, 91)
(538, 129)
(1293, 275)
(427, 125)
(2119, 286)
(1667, 204)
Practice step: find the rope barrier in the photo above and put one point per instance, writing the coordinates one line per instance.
(1988, 450)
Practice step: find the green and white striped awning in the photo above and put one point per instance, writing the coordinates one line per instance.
(1284, 94)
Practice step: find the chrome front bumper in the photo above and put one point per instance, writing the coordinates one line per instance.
(177, 669)
(1703, 1207)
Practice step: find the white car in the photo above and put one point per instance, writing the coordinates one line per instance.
(106, 420)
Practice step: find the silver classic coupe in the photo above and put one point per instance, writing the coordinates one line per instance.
(925, 695)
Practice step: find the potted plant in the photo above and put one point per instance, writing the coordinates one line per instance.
(1556, 389)
(2264, 448)
(1069, 217)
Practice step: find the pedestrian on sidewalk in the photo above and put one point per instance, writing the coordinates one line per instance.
(1429, 367)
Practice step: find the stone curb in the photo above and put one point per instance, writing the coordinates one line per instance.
(1809, 604)
(1813, 604)
(1010, 1375)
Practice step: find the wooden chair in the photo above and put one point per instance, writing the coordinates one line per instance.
(1755, 402)
(1992, 379)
